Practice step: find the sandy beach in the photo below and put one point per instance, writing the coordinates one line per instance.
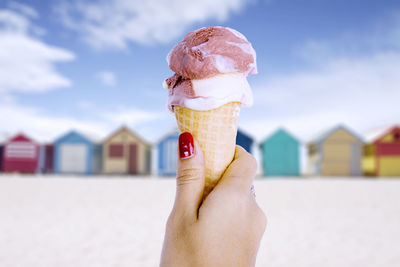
(119, 221)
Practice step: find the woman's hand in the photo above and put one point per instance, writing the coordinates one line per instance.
(225, 229)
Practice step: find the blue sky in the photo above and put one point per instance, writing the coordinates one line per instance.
(94, 65)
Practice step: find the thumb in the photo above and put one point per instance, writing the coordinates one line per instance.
(190, 176)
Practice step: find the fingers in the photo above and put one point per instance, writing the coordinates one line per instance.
(190, 176)
(240, 174)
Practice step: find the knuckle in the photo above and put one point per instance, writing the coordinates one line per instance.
(171, 222)
(262, 220)
(250, 167)
(189, 175)
(252, 162)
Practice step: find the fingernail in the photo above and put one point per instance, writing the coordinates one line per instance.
(186, 145)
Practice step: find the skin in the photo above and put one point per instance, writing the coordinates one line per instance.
(223, 230)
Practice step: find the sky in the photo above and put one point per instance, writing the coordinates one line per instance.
(96, 65)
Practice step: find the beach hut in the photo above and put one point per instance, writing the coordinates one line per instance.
(75, 153)
(167, 153)
(20, 154)
(382, 155)
(244, 140)
(125, 152)
(280, 154)
(46, 158)
(1, 157)
(336, 152)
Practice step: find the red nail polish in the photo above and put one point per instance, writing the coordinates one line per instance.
(186, 145)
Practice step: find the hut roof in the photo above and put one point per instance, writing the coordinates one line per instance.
(377, 133)
(125, 128)
(321, 137)
(172, 131)
(75, 132)
(281, 129)
(245, 133)
(383, 133)
(20, 137)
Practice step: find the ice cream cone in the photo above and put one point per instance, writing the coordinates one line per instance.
(215, 130)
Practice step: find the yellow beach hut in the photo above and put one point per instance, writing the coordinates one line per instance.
(125, 152)
(337, 152)
(382, 155)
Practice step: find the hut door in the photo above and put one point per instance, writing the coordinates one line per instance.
(73, 158)
(132, 158)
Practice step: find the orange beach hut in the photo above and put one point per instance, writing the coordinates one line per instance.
(125, 152)
(382, 155)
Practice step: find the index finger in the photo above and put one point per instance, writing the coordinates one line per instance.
(240, 173)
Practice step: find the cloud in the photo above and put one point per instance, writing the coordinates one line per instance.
(115, 23)
(358, 86)
(131, 116)
(26, 62)
(13, 22)
(24, 9)
(85, 105)
(41, 125)
(45, 126)
(107, 78)
(362, 93)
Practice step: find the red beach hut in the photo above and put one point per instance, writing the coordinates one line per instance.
(20, 154)
(387, 153)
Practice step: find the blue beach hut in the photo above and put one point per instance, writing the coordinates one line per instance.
(75, 153)
(167, 149)
(244, 140)
(280, 154)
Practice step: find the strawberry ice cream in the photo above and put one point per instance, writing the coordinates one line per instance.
(211, 66)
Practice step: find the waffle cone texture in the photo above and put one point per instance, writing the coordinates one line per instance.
(215, 130)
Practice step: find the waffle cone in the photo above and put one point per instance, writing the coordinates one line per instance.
(215, 130)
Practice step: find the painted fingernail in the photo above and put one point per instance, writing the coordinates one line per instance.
(186, 145)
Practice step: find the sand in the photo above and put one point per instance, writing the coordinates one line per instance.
(119, 221)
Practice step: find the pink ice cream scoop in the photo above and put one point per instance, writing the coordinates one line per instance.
(210, 51)
(211, 65)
